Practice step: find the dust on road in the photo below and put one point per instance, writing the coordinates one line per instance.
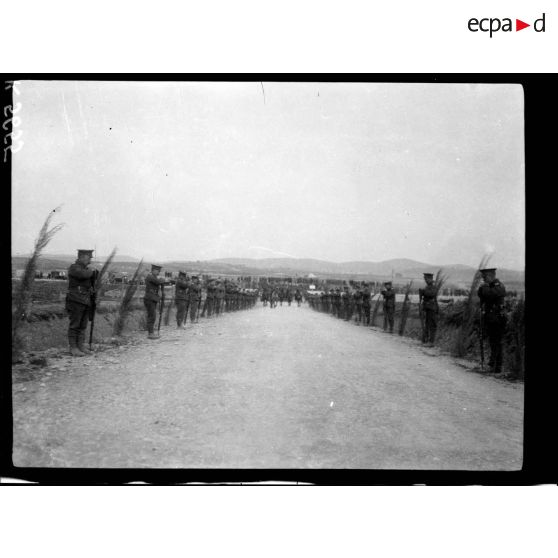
(281, 388)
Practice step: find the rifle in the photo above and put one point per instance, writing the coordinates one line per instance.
(186, 313)
(421, 316)
(161, 307)
(481, 338)
(93, 307)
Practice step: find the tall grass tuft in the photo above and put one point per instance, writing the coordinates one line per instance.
(439, 281)
(22, 299)
(405, 309)
(126, 304)
(464, 337)
(102, 272)
(375, 311)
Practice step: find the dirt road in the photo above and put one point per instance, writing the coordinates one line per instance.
(281, 388)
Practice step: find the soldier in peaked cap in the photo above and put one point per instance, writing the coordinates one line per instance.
(153, 283)
(194, 296)
(219, 296)
(366, 302)
(428, 308)
(388, 306)
(492, 294)
(81, 283)
(181, 298)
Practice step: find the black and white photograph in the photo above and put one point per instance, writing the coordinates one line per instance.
(250, 275)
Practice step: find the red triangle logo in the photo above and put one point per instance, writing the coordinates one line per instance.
(519, 25)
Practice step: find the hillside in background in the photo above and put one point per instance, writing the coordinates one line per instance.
(401, 270)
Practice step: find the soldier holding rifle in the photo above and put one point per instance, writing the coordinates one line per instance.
(153, 283)
(366, 303)
(492, 294)
(181, 298)
(388, 306)
(81, 281)
(194, 296)
(428, 309)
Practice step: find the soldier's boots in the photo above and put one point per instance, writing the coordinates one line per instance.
(74, 350)
(153, 336)
(81, 345)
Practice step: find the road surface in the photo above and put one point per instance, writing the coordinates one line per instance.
(263, 388)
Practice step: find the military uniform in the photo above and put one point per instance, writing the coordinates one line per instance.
(298, 297)
(429, 307)
(151, 298)
(492, 295)
(81, 281)
(209, 298)
(194, 297)
(181, 297)
(289, 295)
(357, 301)
(219, 297)
(388, 306)
(337, 302)
(366, 304)
(346, 300)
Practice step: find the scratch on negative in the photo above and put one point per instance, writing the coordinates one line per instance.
(263, 91)
(66, 118)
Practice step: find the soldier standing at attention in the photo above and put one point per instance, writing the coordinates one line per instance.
(346, 300)
(219, 296)
(298, 296)
(194, 295)
(208, 303)
(366, 304)
(357, 300)
(153, 283)
(81, 281)
(492, 294)
(181, 298)
(388, 306)
(428, 306)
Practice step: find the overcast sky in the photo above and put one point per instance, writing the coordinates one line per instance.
(339, 172)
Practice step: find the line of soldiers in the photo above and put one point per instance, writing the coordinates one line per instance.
(221, 296)
(226, 296)
(345, 304)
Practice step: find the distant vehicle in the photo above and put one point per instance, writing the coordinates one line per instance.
(57, 274)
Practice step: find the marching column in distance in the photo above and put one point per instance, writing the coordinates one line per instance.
(428, 305)
(181, 298)
(492, 294)
(153, 283)
(388, 306)
(81, 280)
